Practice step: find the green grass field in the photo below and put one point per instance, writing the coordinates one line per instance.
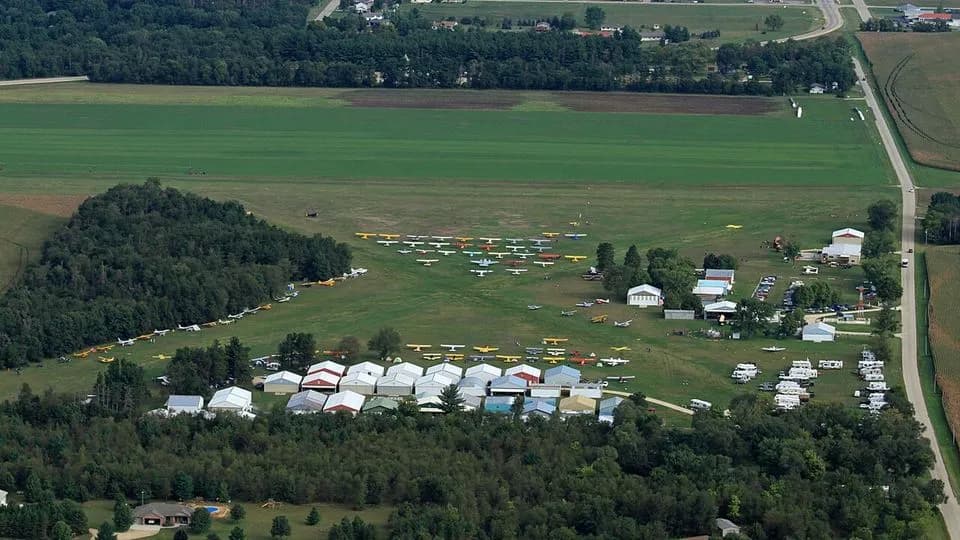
(20, 238)
(653, 180)
(736, 23)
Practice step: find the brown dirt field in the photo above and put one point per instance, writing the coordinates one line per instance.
(664, 103)
(431, 99)
(54, 205)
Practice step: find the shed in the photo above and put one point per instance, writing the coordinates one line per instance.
(184, 404)
(485, 372)
(545, 390)
(472, 386)
(329, 366)
(379, 405)
(348, 401)
(282, 382)
(562, 375)
(525, 372)
(726, 527)
(538, 407)
(319, 380)
(594, 391)
(406, 368)
(576, 405)
(162, 514)
(508, 384)
(395, 384)
(360, 382)
(644, 296)
(819, 332)
(434, 383)
(366, 367)
(308, 401)
(454, 371)
(232, 398)
(498, 404)
(817, 88)
(720, 274)
(679, 314)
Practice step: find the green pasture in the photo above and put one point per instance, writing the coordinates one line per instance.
(736, 23)
(21, 234)
(654, 180)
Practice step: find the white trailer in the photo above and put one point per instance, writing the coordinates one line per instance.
(830, 364)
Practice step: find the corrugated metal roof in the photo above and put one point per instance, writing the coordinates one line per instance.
(282, 377)
(182, 402)
(232, 397)
(366, 367)
(508, 381)
(308, 400)
(347, 399)
(328, 365)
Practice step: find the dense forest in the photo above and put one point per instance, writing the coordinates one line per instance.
(260, 42)
(825, 471)
(141, 257)
(941, 223)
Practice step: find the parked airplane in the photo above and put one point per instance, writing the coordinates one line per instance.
(622, 324)
(570, 313)
(483, 263)
(444, 238)
(227, 321)
(488, 247)
(553, 359)
(554, 340)
(622, 378)
(533, 307)
(486, 349)
(575, 236)
(446, 252)
(434, 356)
(327, 283)
(471, 253)
(103, 348)
(599, 319)
(516, 271)
(365, 235)
(514, 248)
(540, 249)
(481, 273)
(602, 300)
(106, 360)
(585, 303)
(417, 237)
(574, 223)
(162, 356)
(488, 240)
(556, 352)
(438, 244)
(524, 255)
(575, 258)
(417, 347)
(161, 332)
(499, 254)
(282, 299)
(125, 342)
(480, 357)
(533, 350)
(453, 357)
(540, 241)
(773, 349)
(411, 243)
(425, 251)
(209, 324)
(427, 262)
(508, 358)
(620, 349)
(463, 238)
(236, 316)
(548, 256)
(452, 348)
(531, 358)
(582, 360)
(543, 263)
(550, 234)
(388, 236)
(144, 337)
(404, 251)
(514, 240)
(387, 242)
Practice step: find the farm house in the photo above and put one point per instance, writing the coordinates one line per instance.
(360, 382)
(308, 401)
(366, 367)
(232, 398)
(184, 404)
(562, 376)
(328, 366)
(282, 382)
(485, 372)
(348, 401)
(644, 296)
(395, 384)
(319, 380)
(525, 372)
(508, 384)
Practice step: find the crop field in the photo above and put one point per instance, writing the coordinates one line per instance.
(506, 173)
(736, 23)
(943, 269)
(920, 81)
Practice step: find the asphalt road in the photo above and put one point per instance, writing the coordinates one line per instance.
(908, 304)
(327, 10)
(832, 21)
(862, 10)
(49, 80)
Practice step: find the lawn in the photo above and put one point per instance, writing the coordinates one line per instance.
(480, 172)
(257, 522)
(919, 82)
(736, 23)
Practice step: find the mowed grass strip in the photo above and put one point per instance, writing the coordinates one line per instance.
(736, 23)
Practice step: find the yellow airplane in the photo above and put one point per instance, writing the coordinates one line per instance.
(453, 357)
(431, 356)
(550, 234)
(574, 223)
(389, 236)
(103, 348)
(82, 354)
(106, 360)
(508, 358)
(265, 307)
(162, 356)
(574, 258)
(365, 235)
(417, 348)
(555, 340)
(599, 319)
(620, 349)
(463, 239)
(486, 348)
(327, 283)
(553, 359)
(144, 337)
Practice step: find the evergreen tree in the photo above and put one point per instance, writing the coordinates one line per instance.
(280, 528)
(450, 399)
(605, 256)
(183, 486)
(237, 534)
(313, 518)
(122, 515)
(200, 521)
(61, 531)
(106, 532)
(181, 534)
(237, 512)
(633, 259)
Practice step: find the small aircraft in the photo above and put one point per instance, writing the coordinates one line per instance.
(434, 356)
(533, 307)
(480, 357)
(463, 239)
(585, 303)
(620, 349)
(499, 254)
(516, 271)
(462, 245)
(471, 253)
(103, 348)
(553, 359)
(556, 352)
(549, 234)
(614, 361)
(488, 247)
(554, 340)
(195, 328)
(622, 378)
(225, 322)
(773, 349)
(438, 244)
(387, 242)
(524, 255)
(622, 324)
(574, 223)
(515, 263)
(365, 235)
(575, 258)
(582, 360)
(106, 359)
(411, 243)
(404, 251)
(162, 356)
(248, 311)
(533, 350)
(540, 249)
(444, 238)
(486, 349)
(417, 237)
(446, 252)
(531, 358)
(386, 236)
(543, 263)
(483, 263)
(514, 240)
(327, 283)
(481, 273)
(425, 251)
(82, 354)
(540, 241)
(452, 348)
(125, 342)
(427, 262)
(161, 332)
(209, 324)
(575, 236)
(548, 256)
(453, 357)
(237, 316)
(417, 347)
(488, 240)
(570, 313)
(514, 248)
(602, 300)
(599, 319)
(508, 358)
(282, 299)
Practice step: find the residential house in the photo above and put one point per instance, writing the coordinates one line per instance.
(644, 296)
(231, 399)
(454, 371)
(525, 372)
(328, 366)
(162, 514)
(380, 405)
(562, 376)
(484, 371)
(308, 401)
(395, 384)
(508, 385)
(184, 404)
(817, 88)
(284, 382)
(323, 381)
(819, 332)
(498, 404)
(348, 401)
(366, 367)
(360, 382)
(576, 405)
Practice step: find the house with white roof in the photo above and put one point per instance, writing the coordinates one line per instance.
(395, 384)
(724, 309)
(308, 401)
(184, 405)
(472, 386)
(644, 296)
(323, 381)
(528, 373)
(508, 384)
(433, 383)
(484, 371)
(360, 382)
(406, 368)
(366, 367)
(328, 366)
(282, 382)
(348, 401)
(231, 399)
(562, 376)
(818, 332)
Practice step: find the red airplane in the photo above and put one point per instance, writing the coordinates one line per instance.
(548, 256)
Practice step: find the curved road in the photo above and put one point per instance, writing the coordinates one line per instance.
(908, 304)
(832, 21)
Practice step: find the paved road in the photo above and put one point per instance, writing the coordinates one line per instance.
(862, 10)
(48, 80)
(654, 401)
(327, 10)
(908, 304)
(832, 21)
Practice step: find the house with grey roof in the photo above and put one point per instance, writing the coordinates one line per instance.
(472, 386)
(484, 371)
(538, 407)
(162, 514)
(379, 405)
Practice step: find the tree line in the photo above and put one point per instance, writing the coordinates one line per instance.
(263, 43)
(941, 222)
(141, 257)
(825, 471)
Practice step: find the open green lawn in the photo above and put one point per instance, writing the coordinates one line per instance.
(653, 180)
(21, 235)
(736, 23)
(256, 524)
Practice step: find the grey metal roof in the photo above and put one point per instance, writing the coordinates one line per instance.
(508, 381)
(308, 400)
(185, 401)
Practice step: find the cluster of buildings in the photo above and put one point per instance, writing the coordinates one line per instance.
(911, 14)
(844, 249)
(715, 284)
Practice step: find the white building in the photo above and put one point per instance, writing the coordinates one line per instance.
(184, 404)
(232, 398)
(283, 382)
(447, 368)
(528, 373)
(562, 376)
(350, 402)
(817, 88)
(3, 498)
(644, 296)
(607, 407)
(366, 367)
(508, 384)
(847, 235)
(486, 372)
(359, 382)
(323, 381)
(593, 391)
(406, 368)
(395, 384)
(306, 402)
(433, 383)
(472, 386)
(819, 332)
(328, 366)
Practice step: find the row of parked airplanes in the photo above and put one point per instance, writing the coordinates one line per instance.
(546, 238)
(552, 354)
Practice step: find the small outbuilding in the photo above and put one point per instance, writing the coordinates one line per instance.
(184, 404)
(726, 527)
(525, 372)
(328, 366)
(308, 401)
(348, 401)
(360, 382)
(162, 514)
(509, 385)
(562, 375)
(379, 405)
(498, 404)
(3, 498)
(484, 371)
(232, 398)
(395, 384)
(819, 332)
(644, 296)
(817, 88)
(607, 407)
(577, 405)
(323, 381)
(366, 367)
(283, 382)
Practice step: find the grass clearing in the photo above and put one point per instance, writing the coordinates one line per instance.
(736, 23)
(21, 237)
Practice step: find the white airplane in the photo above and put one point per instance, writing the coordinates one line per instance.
(540, 249)
(425, 251)
(125, 342)
(556, 352)
(773, 349)
(534, 350)
(356, 272)
(570, 313)
(585, 304)
(514, 240)
(444, 238)
(543, 263)
(161, 332)
(417, 237)
(483, 263)
(524, 255)
(471, 253)
(481, 273)
(488, 240)
(622, 324)
(228, 321)
(614, 361)
(282, 300)
(412, 243)
(516, 271)
(447, 252)
(534, 307)
(540, 241)
(622, 378)
(237, 316)
(575, 236)
(438, 244)
(293, 294)
(514, 248)
(602, 300)
(404, 251)
(452, 348)
(427, 262)
(194, 327)
(499, 254)
(248, 311)
(387, 242)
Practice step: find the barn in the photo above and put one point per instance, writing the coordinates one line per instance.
(348, 401)
(232, 398)
(360, 382)
(282, 382)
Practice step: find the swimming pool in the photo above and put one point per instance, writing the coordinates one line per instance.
(212, 509)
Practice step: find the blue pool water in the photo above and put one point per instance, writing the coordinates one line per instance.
(212, 509)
